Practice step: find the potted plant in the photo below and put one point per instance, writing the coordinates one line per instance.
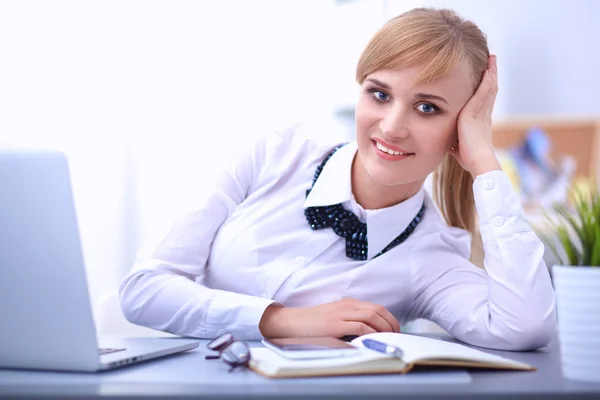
(574, 240)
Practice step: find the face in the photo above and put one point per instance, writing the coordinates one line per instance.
(405, 129)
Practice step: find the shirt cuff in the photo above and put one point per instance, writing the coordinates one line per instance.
(498, 206)
(236, 313)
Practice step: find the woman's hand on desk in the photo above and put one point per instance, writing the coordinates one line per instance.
(337, 319)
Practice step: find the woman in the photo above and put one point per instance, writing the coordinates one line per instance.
(279, 247)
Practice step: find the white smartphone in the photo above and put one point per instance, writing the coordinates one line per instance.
(315, 347)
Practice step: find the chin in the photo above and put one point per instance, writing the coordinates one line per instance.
(391, 173)
(388, 177)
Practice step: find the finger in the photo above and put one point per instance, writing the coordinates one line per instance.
(493, 63)
(490, 100)
(486, 83)
(476, 102)
(349, 302)
(357, 328)
(369, 317)
(493, 72)
(384, 313)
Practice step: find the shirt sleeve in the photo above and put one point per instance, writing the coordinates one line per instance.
(161, 291)
(508, 306)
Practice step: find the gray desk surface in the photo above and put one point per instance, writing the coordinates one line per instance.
(189, 375)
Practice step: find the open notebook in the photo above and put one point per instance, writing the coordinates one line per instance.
(418, 351)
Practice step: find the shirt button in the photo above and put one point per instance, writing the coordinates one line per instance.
(249, 335)
(488, 184)
(263, 294)
(300, 260)
(220, 332)
(498, 221)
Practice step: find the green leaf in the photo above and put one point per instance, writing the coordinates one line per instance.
(576, 229)
(577, 226)
(595, 258)
(573, 255)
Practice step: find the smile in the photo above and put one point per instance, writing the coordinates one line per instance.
(388, 153)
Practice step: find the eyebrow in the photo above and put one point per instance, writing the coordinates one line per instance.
(431, 97)
(379, 83)
(419, 95)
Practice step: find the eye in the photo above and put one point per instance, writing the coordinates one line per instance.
(379, 95)
(427, 108)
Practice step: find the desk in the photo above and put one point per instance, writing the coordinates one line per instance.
(189, 375)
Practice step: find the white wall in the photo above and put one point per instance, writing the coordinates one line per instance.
(547, 53)
(144, 96)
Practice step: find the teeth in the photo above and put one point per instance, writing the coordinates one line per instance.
(389, 151)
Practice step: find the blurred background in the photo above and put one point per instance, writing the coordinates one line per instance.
(145, 96)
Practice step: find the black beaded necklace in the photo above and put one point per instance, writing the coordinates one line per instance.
(345, 224)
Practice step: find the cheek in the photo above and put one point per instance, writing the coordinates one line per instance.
(442, 135)
(365, 115)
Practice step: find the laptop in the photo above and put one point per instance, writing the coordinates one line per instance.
(46, 319)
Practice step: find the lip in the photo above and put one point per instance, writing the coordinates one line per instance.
(387, 156)
(390, 146)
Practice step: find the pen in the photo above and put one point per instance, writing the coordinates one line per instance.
(383, 348)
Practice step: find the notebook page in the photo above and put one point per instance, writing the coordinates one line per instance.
(270, 357)
(271, 363)
(423, 348)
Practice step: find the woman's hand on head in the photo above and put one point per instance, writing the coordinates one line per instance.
(475, 150)
(339, 318)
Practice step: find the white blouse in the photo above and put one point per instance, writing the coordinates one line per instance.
(248, 244)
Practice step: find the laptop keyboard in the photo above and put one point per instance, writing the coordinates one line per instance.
(108, 351)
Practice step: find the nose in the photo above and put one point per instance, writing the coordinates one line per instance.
(394, 123)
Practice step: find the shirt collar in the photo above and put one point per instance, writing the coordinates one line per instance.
(335, 186)
(385, 224)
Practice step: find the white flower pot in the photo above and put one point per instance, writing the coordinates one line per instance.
(578, 309)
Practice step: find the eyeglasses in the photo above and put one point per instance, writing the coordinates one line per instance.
(235, 353)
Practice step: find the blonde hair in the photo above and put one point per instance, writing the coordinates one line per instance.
(441, 39)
